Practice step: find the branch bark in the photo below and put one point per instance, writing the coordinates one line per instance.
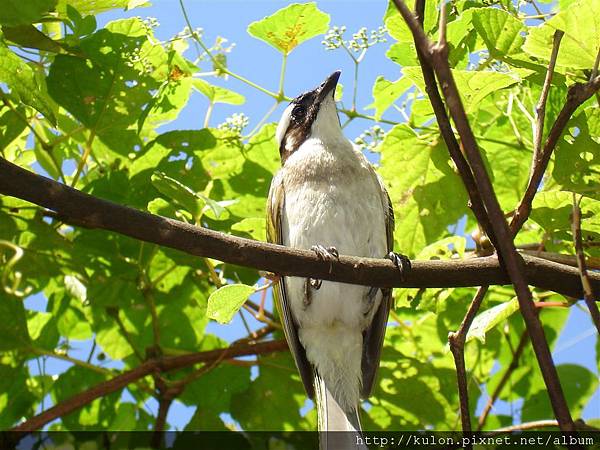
(77, 207)
(161, 364)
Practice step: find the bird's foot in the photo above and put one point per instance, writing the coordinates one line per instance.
(329, 254)
(401, 262)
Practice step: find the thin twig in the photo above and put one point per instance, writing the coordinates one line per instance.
(588, 291)
(514, 363)
(457, 346)
(540, 108)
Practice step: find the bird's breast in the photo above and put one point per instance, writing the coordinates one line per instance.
(334, 200)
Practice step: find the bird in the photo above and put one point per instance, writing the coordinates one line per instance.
(327, 198)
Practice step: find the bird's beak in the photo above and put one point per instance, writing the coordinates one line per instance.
(328, 86)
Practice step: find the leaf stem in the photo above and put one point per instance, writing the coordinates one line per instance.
(77, 362)
(282, 75)
(209, 111)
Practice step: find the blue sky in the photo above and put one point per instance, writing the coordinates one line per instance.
(307, 66)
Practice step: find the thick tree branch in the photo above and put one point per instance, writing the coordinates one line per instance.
(77, 207)
(161, 364)
(438, 58)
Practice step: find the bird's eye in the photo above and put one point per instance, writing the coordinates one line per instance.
(298, 112)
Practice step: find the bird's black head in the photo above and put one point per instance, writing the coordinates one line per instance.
(299, 117)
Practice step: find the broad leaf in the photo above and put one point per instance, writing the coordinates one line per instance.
(581, 42)
(225, 302)
(290, 26)
(501, 32)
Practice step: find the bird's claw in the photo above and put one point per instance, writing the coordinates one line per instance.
(401, 262)
(329, 254)
(326, 253)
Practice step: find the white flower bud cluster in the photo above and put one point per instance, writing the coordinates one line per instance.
(186, 33)
(235, 124)
(134, 59)
(370, 139)
(361, 40)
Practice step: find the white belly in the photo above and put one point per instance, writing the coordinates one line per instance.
(341, 208)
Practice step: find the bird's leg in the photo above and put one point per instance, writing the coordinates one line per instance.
(401, 262)
(307, 293)
(326, 254)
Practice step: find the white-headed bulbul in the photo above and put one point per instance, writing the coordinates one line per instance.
(327, 197)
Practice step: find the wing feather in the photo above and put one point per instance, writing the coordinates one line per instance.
(275, 206)
(375, 333)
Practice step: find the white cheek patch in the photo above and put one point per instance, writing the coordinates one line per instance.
(284, 122)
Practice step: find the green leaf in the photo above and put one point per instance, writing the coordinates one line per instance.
(107, 91)
(18, 12)
(501, 32)
(262, 148)
(277, 379)
(488, 319)
(474, 87)
(552, 211)
(290, 26)
(226, 301)
(87, 7)
(578, 383)
(74, 381)
(218, 94)
(21, 79)
(30, 36)
(426, 193)
(183, 195)
(385, 93)
(397, 27)
(254, 226)
(166, 105)
(13, 330)
(581, 42)
(403, 54)
(577, 159)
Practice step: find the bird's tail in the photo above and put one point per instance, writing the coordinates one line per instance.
(339, 428)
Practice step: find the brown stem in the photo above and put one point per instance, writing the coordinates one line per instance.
(457, 346)
(514, 363)
(438, 58)
(540, 108)
(163, 364)
(588, 291)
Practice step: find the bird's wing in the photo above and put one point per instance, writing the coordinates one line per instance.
(374, 334)
(275, 205)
